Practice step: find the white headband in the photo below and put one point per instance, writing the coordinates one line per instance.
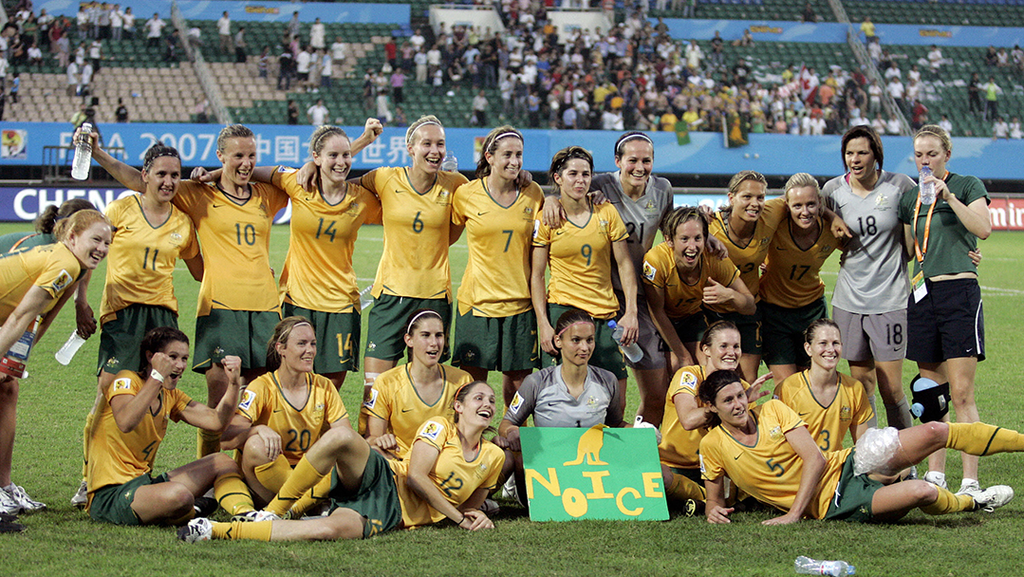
(418, 315)
(408, 139)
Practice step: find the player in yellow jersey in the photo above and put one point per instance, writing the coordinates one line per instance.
(770, 455)
(680, 276)
(130, 428)
(830, 402)
(450, 471)
(283, 412)
(404, 397)
(238, 305)
(150, 235)
(496, 327)
(791, 289)
(682, 425)
(317, 280)
(580, 256)
(36, 283)
(746, 227)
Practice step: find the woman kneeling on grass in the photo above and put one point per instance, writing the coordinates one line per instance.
(129, 429)
(770, 455)
(449, 473)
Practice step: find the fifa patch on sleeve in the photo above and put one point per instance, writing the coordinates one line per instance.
(536, 228)
(247, 399)
(517, 401)
(689, 380)
(431, 430)
(62, 281)
(285, 169)
(369, 403)
(124, 384)
(649, 271)
(703, 471)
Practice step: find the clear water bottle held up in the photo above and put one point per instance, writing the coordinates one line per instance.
(450, 163)
(83, 153)
(633, 352)
(67, 352)
(927, 188)
(808, 566)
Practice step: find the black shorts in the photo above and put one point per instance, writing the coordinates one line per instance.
(948, 323)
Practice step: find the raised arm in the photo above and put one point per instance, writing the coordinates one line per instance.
(218, 418)
(129, 176)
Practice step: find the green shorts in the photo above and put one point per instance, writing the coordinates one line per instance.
(497, 344)
(121, 336)
(337, 338)
(852, 499)
(244, 334)
(690, 329)
(784, 332)
(113, 503)
(387, 319)
(749, 326)
(376, 499)
(606, 355)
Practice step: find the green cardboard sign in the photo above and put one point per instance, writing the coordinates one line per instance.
(596, 473)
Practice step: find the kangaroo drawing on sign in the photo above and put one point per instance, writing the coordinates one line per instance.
(589, 447)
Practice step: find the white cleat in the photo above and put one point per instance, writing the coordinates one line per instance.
(992, 498)
(199, 529)
(81, 496)
(27, 504)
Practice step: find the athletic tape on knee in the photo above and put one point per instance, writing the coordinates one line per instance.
(876, 449)
(930, 399)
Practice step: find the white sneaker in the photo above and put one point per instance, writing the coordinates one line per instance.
(265, 516)
(992, 498)
(81, 496)
(199, 529)
(936, 478)
(510, 491)
(27, 504)
(8, 505)
(969, 487)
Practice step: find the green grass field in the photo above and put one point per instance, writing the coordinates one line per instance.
(63, 541)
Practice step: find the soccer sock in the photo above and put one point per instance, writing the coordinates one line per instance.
(983, 439)
(86, 438)
(302, 479)
(273, 475)
(232, 494)
(898, 415)
(207, 443)
(242, 530)
(873, 421)
(310, 498)
(683, 488)
(949, 502)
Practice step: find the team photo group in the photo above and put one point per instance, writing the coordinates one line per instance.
(564, 294)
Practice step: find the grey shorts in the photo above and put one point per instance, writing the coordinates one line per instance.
(648, 338)
(880, 337)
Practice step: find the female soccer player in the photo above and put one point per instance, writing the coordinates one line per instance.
(238, 305)
(317, 280)
(404, 397)
(283, 412)
(38, 282)
(496, 327)
(580, 255)
(449, 473)
(570, 394)
(130, 428)
(150, 235)
(680, 277)
(830, 402)
(944, 310)
(771, 456)
(870, 299)
(746, 227)
(792, 292)
(681, 426)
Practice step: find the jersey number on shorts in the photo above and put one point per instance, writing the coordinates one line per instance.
(246, 233)
(452, 483)
(145, 259)
(303, 440)
(329, 231)
(344, 346)
(894, 334)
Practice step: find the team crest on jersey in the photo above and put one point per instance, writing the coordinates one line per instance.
(319, 408)
(825, 251)
(369, 403)
(689, 379)
(775, 433)
(443, 196)
(483, 469)
(845, 414)
(63, 280)
(247, 398)
(649, 271)
(603, 225)
(591, 401)
(263, 208)
(528, 213)
(517, 401)
(353, 209)
(432, 430)
(650, 207)
(123, 384)
(882, 202)
(176, 238)
(765, 240)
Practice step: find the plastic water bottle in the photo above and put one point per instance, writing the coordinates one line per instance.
(927, 189)
(633, 352)
(450, 163)
(67, 352)
(808, 566)
(83, 154)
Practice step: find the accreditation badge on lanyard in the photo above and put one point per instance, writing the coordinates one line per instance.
(920, 289)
